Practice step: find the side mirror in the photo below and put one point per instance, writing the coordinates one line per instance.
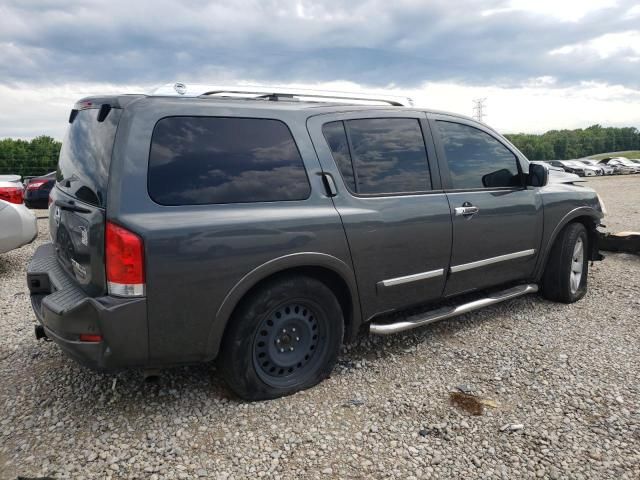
(538, 175)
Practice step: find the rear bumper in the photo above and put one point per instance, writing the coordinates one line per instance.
(65, 311)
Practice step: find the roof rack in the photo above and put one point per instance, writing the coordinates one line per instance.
(179, 89)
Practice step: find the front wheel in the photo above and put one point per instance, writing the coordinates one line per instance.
(284, 337)
(565, 277)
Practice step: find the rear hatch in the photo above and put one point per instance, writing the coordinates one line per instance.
(79, 199)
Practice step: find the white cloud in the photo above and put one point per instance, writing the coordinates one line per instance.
(30, 110)
(565, 10)
(606, 46)
(633, 12)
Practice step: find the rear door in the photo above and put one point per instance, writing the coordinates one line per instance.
(497, 220)
(78, 201)
(388, 194)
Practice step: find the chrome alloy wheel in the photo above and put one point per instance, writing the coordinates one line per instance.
(577, 266)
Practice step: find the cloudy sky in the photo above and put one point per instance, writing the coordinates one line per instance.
(541, 64)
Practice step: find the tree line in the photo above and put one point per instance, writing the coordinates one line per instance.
(582, 142)
(35, 157)
(40, 155)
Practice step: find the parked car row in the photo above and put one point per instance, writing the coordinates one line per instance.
(586, 167)
(18, 226)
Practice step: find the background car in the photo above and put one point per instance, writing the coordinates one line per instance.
(18, 225)
(621, 165)
(573, 166)
(548, 164)
(589, 170)
(602, 167)
(635, 160)
(37, 189)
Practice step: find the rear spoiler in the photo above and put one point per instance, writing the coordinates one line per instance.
(105, 104)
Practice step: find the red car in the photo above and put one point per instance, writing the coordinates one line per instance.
(37, 189)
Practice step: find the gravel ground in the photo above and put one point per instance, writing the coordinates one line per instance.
(568, 374)
(621, 195)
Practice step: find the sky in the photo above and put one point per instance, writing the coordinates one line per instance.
(540, 64)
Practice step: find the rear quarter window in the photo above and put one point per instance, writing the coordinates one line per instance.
(208, 160)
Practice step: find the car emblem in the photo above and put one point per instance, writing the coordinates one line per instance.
(180, 88)
(56, 216)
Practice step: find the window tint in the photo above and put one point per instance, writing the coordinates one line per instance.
(337, 139)
(388, 155)
(476, 159)
(83, 165)
(199, 160)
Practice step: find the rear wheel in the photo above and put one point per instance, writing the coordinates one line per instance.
(284, 337)
(565, 277)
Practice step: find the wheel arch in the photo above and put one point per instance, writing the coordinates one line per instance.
(333, 272)
(589, 217)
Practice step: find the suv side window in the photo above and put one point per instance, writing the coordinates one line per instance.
(336, 137)
(476, 159)
(203, 160)
(380, 155)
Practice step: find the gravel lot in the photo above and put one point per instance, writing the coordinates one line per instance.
(568, 374)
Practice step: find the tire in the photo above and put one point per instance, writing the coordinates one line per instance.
(284, 337)
(565, 277)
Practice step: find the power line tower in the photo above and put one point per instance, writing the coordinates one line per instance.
(479, 108)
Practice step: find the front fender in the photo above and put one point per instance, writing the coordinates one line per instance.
(594, 215)
(277, 265)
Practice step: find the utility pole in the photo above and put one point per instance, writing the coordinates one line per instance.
(479, 108)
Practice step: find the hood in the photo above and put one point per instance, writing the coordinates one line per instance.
(556, 176)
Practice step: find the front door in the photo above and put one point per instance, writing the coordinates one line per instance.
(497, 220)
(395, 215)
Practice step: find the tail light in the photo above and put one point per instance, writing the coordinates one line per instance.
(90, 337)
(36, 185)
(124, 260)
(11, 194)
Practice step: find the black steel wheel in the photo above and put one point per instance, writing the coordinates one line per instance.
(286, 343)
(284, 337)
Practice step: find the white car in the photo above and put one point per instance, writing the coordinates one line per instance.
(602, 168)
(622, 165)
(588, 170)
(18, 225)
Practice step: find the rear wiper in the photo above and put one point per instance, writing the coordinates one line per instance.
(71, 206)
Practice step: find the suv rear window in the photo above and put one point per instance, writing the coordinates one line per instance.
(203, 160)
(83, 166)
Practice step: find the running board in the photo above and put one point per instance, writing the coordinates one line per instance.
(448, 312)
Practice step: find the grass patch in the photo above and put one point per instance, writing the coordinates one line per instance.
(627, 154)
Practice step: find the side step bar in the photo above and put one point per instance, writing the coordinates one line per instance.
(448, 312)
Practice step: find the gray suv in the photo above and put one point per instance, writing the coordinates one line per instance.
(264, 228)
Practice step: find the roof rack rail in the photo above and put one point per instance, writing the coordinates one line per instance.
(179, 89)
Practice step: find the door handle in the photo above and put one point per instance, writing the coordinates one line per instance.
(466, 210)
(329, 184)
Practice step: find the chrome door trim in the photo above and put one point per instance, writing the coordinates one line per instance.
(411, 278)
(489, 261)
